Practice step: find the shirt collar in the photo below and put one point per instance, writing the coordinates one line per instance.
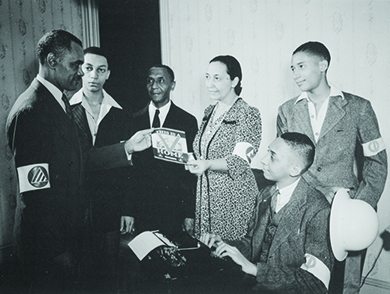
(165, 108)
(52, 89)
(285, 195)
(107, 101)
(288, 189)
(333, 93)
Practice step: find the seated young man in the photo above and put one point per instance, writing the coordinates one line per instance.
(287, 247)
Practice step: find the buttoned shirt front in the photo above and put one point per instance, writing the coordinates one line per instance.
(317, 120)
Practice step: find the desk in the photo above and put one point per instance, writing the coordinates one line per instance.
(202, 273)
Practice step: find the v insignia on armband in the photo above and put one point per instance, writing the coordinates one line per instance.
(33, 177)
(245, 151)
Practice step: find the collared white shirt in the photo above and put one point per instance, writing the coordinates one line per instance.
(318, 120)
(163, 112)
(93, 122)
(285, 195)
(53, 90)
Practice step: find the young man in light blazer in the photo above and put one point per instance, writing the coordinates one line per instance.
(341, 125)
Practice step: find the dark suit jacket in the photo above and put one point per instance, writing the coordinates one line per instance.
(164, 191)
(108, 190)
(304, 228)
(39, 131)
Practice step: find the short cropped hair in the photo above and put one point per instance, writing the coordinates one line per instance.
(233, 69)
(95, 50)
(169, 70)
(315, 48)
(56, 42)
(302, 145)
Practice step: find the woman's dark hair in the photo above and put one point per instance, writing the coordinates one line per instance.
(233, 69)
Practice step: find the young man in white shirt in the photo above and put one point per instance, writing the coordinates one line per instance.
(101, 122)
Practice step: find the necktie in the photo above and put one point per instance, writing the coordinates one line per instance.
(156, 119)
(67, 106)
(274, 200)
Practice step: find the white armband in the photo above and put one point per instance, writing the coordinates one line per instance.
(245, 151)
(373, 147)
(33, 177)
(317, 268)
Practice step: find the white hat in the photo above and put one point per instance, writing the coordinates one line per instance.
(353, 224)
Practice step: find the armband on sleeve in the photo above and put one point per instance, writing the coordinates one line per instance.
(33, 177)
(245, 151)
(317, 268)
(373, 147)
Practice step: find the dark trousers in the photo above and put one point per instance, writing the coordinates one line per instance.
(346, 275)
(99, 266)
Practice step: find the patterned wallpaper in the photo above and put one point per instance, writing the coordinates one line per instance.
(262, 34)
(22, 24)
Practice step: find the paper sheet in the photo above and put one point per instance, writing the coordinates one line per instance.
(146, 242)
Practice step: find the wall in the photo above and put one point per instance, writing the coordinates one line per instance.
(262, 35)
(139, 47)
(22, 24)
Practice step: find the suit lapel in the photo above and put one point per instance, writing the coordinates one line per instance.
(334, 114)
(290, 219)
(263, 214)
(170, 120)
(142, 119)
(58, 116)
(302, 119)
(81, 121)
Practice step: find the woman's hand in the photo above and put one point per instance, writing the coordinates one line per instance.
(198, 167)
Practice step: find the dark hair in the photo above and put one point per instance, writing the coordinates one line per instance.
(233, 69)
(169, 70)
(96, 50)
(301, 144)
(315, 48)
(56, 42)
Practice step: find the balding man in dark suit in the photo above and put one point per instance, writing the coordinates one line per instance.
(165, 190)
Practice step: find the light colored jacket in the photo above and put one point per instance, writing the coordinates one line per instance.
(350, 123)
